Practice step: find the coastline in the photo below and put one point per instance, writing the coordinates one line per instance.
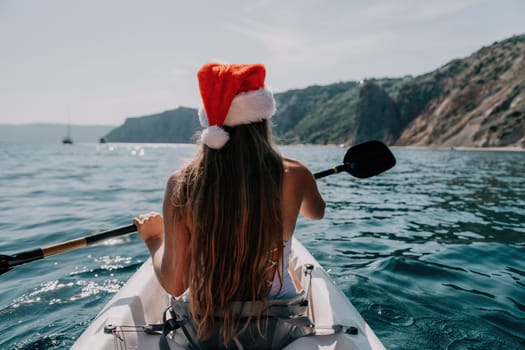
(423, 148)
(462, 148)
(394, 147)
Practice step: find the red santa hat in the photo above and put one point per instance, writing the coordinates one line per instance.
(232, 95)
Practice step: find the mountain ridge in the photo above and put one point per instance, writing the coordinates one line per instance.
(475, 101)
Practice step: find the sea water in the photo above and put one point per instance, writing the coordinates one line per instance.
(432, 252)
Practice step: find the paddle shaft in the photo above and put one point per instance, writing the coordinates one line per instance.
(40, 253)
(362, 161)
(334, 170)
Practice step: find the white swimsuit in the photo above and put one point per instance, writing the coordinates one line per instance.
(288, 289)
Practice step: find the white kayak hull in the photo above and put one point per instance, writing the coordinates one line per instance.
(141, 301)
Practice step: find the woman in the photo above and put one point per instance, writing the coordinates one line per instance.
(230, 214)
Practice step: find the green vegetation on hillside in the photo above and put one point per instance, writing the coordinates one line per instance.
(476, 101)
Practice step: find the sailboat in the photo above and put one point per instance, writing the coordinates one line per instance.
(68, 140)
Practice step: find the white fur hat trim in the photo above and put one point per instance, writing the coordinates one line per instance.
(203, 118)
(247, 107)
(214, 137)
(250, 107)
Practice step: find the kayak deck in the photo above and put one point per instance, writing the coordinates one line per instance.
(141, 301)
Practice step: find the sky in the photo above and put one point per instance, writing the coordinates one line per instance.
(97, 62)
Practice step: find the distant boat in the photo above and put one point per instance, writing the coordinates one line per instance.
(68, 140)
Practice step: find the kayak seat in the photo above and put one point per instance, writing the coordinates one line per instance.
(282, 322)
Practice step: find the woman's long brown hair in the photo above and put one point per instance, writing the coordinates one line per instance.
(232, 198)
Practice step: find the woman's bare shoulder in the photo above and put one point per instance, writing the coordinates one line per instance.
(294, 167)
(173, 178)
(173, 182)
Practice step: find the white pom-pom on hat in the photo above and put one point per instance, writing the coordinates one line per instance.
(214, 137)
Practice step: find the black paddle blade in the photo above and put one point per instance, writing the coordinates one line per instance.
(4, 265)
(368, 159)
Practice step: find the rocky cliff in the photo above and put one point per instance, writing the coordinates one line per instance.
(477, 101)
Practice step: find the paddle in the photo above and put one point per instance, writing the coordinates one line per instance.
(7, 262)
(364, 160)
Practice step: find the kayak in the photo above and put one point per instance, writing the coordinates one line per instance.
(142, 301)
(122, 322)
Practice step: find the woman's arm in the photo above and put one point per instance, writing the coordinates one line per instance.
(150, 228)
(299, 195)
(167, 241)
(313, 204)
(176, 237)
